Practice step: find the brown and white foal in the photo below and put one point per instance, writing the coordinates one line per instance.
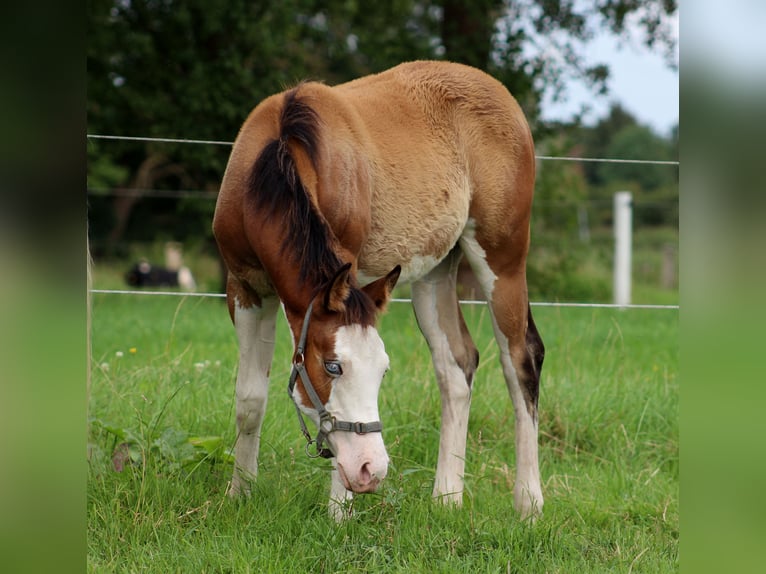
(393, 176)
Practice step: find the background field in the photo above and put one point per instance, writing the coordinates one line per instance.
(162, 409)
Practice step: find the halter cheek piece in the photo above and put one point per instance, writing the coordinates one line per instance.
(327, 422)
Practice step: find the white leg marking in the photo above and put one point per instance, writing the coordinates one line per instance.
(255, 331)
(527, 492)
(455, 397)
(340, 498)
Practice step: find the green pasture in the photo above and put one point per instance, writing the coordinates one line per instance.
(162, 425)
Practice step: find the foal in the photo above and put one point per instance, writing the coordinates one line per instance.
(393, 176)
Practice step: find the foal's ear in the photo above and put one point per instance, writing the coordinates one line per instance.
(380, 290)
(337, 290)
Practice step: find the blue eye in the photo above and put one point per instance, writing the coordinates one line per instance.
(333, 368)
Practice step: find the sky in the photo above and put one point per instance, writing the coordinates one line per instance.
(726, 40)
(640, 80)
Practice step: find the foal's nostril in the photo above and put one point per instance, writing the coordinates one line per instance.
(365, 476)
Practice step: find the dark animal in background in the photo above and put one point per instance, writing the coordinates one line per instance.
(144, 274)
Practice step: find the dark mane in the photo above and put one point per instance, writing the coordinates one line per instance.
(359, 308)
(277, 189)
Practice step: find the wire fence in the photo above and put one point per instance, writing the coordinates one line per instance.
(204, 194)
(395, 300)
(229, 143)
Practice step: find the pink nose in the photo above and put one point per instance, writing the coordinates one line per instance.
(368, 482)
(367, 479)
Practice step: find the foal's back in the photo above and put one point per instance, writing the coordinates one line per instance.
(406, 160)
(444, 143)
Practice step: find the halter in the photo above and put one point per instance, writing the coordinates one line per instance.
(327, 422)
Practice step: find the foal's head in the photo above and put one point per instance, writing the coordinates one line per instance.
(345, 360)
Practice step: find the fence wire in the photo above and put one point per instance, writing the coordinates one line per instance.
(186, 193)
(229, 143)
(396, 300)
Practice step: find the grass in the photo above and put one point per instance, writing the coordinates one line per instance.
(609, 452)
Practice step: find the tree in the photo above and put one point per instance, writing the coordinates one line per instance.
(596, 140)
(534, 46)
(467, 30)
(189, 69)
(638, 142)
(619, 135)
(195, 69)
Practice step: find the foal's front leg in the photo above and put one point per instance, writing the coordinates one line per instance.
(340, 497)
(255, 327)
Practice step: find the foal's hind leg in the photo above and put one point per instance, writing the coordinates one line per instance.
(254, 322)
(521, 357)
(455, 359)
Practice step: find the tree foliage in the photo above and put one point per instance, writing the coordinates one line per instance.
(194, 69)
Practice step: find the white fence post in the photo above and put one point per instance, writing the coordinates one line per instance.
(623, 232)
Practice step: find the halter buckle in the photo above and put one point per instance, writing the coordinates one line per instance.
(358, 427)
(327, 424)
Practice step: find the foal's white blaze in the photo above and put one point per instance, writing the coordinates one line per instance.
(361, 460)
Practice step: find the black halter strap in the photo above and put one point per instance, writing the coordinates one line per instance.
(327, 422)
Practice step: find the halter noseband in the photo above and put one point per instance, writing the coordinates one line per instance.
(327, 422)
